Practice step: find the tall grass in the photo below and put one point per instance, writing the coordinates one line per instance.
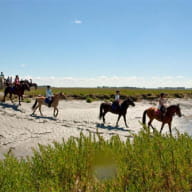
(108, 93)
(91, 94)
(147, 162)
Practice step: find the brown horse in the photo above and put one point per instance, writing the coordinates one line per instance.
(19, 90)
(154, 113)
(121, 111)
(41, 101)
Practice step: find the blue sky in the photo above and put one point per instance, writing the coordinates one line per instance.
(145, 43)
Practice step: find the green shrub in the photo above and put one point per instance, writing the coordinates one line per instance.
(145, 162)
(27, 100)
(89, 100)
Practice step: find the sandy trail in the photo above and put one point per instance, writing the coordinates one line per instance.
(19, 131)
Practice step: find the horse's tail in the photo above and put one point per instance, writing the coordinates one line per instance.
(101, 111)
(34, 105)
(144, 116)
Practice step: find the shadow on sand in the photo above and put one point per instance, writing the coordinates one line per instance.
(11, 106)
(43, 117)
(110, 128)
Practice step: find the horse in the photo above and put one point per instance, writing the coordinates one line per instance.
(29, 83)
(121, 111)
(17, 90)
(154, 113)
(41, 100)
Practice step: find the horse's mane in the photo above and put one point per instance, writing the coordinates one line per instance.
(126, 102)
(173, 106)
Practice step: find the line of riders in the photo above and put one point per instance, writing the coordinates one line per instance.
(49, 95)
(162, 113)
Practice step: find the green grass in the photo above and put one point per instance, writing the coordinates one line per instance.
(108, 93)
(147, 162)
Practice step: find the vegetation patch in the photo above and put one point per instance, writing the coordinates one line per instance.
(146, 162)
(108, 93)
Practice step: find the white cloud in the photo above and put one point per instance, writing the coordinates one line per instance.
(78, 21)
(23, 65)
(132, 81)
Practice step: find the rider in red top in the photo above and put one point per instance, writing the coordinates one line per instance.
(17, 82)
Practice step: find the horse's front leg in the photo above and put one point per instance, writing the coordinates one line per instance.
(104, 116)
(124, 117)
(162, 126)
(170, 128)
(118, 120)
(55, 112)
(19, 100)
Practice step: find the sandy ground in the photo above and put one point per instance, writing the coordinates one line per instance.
(20, 132)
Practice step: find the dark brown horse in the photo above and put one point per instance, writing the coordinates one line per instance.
(154, 113)
(29, 83)
(19, 90)
(121, 111)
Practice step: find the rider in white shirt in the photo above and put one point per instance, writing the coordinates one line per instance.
(162, 104)
(117, 96)
(115, 104)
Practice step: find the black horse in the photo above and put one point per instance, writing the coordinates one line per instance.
(121, 110)
(18, 90)
(29, 83)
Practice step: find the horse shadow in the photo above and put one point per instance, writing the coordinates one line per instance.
(11, 106)
(110, 128)
(43, 117)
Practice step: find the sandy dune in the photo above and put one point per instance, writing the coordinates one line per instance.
(19, 131)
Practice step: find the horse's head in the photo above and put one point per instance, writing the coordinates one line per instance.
(26, 86)
(130, 101)
(61, 95)
(174, 109)
(178, 110)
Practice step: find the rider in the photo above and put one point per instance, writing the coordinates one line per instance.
(162, 104)
(49, 95)
(10, 80)
(16, 81)
(115, 104)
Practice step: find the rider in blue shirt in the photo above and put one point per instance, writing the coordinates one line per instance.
(49, 95)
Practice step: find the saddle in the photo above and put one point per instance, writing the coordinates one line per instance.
(48, 101)
(157, 111)
(115, 106)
